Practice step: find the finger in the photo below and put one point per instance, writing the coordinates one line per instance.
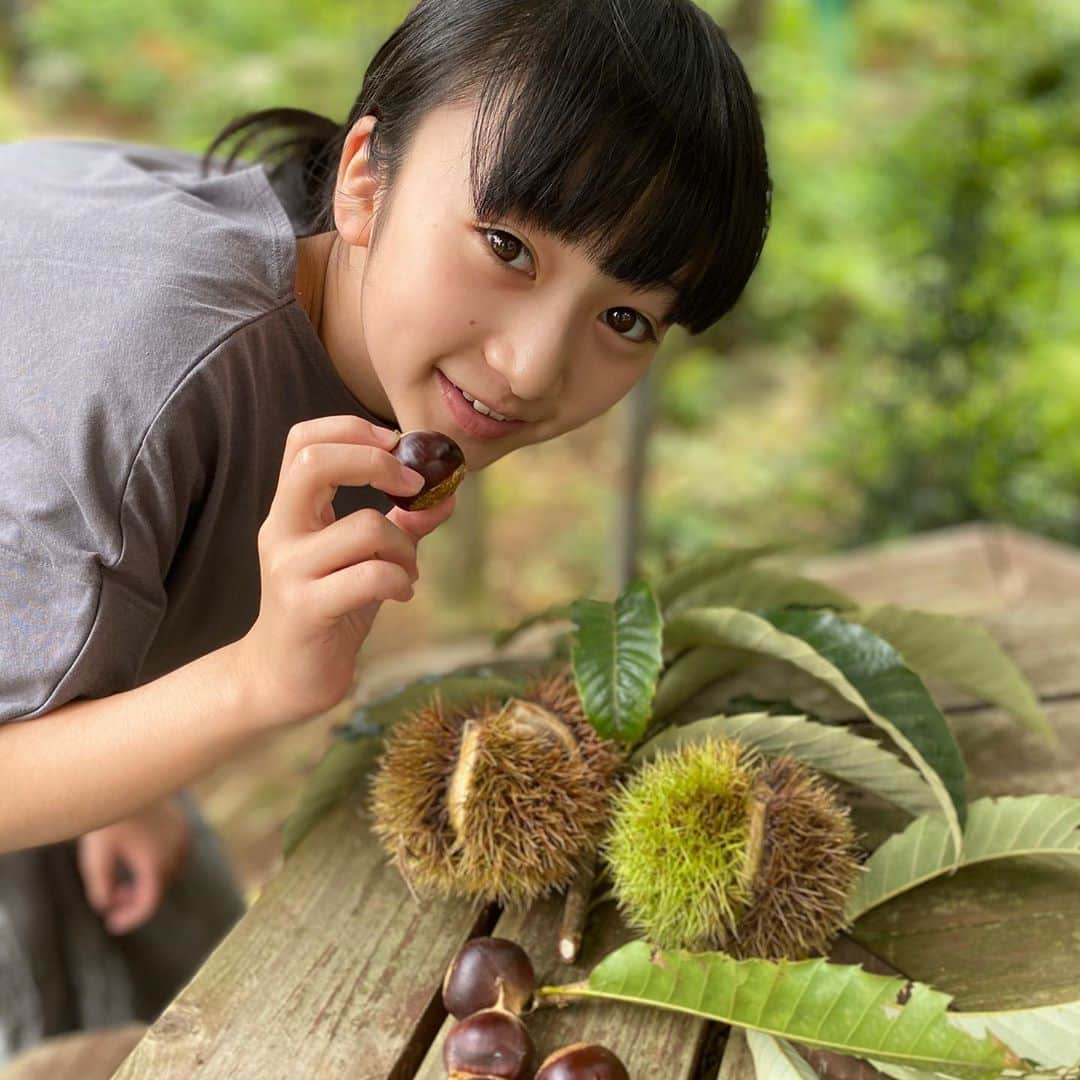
(357, 586)
(137, 902)
(96, 861)
(418, 523)
(365, 534)
(320, 469)
(343, 428)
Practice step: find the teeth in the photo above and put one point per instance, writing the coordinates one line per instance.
(480, 407)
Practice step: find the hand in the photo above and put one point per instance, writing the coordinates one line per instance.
(323, 580)
(149, 849)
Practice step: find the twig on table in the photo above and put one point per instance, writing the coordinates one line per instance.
(576, 910)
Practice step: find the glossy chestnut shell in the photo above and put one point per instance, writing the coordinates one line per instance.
(488, 971)
(489, 1045)
(582, 1061)
(438, 459)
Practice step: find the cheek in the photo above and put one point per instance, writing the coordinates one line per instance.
(595, 387)
(422, 296)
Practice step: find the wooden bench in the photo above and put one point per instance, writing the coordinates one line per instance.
(336, 969)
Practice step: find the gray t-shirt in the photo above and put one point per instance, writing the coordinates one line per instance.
(153, 356)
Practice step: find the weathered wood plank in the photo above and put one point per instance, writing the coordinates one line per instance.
(76, 1055)
(977, 567)
(651, 1042)
(1004, 759)
(337, 968)
(947, 570)
(333, 973)
(738, 1063)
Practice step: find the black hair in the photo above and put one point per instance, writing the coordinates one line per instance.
(628, 127)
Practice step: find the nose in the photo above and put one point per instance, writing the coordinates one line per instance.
(533, 356)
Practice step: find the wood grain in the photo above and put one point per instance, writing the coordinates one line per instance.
(335, 972)
(650, 1042)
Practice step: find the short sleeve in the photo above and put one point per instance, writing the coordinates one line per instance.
(67, 634)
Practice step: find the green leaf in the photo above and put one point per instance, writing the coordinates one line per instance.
(756, 588)
(832, 750)
(347, 762)
(692, 672)
(708, 564)
(833, 1006)
(777, 1059)
(960, 652)
(615, 653)
(995, 829)
(860, 666)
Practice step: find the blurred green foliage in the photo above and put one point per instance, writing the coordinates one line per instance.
(918, 287)
(924, 258)
(181, 68)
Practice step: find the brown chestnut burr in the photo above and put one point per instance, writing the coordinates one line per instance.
(582, 1061)
(438, 459)
(488, 972)
(489, 1045)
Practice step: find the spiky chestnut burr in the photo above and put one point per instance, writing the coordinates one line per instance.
(502, 801)
(582, 1061)
(712, 848)
(488, 972)
(438, 459)
(492, 1044)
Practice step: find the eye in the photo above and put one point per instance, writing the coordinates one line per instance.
(505, 242)
(627, 318)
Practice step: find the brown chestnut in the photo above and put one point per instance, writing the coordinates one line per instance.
(438, 459)
(489, 1045)
(488, 972)
(582, 1061)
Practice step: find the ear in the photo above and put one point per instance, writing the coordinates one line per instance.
(355, 196)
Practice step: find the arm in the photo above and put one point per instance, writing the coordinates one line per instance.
(93, 762)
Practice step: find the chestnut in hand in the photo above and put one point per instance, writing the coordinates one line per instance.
(582, 1061)
(488, 972)
(489, 1045)
(438, 459)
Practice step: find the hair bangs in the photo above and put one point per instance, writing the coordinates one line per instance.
(576, 135)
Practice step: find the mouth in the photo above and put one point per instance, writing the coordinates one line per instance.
(469, 419)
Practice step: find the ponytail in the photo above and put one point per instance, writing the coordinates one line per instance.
(300, 163)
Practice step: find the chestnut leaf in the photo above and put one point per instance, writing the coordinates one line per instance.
(616, 655)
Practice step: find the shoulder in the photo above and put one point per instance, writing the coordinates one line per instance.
(126, 272)
(97, 214)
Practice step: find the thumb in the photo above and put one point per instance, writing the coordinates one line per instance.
(96, 859)
(418, 523)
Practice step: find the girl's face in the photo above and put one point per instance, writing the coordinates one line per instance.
(446, 303)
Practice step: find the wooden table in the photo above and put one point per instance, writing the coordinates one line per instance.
(336, 969)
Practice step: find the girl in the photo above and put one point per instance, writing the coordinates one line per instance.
(204, 369)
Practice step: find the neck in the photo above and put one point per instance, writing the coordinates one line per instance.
(312, 254)
(319, 289)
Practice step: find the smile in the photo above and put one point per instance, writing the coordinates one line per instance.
(480, 407)
(473, 416)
